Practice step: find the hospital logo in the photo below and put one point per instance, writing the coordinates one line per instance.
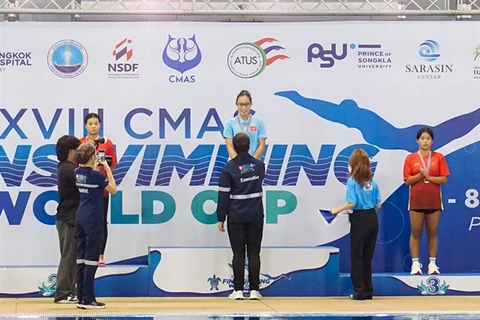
(433, 286)
(249, 59)
(429, 53)
(124, 65)
(67, 59)
(11, 59)
(182, 55)
(476, 60)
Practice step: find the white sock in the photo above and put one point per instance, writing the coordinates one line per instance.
(433, 260)
(414, 261)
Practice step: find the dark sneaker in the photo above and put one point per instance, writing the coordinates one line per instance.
(92, 305)
(67, 300)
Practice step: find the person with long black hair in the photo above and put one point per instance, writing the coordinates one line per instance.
(69, 199)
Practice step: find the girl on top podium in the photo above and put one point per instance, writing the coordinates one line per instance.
(246, 123)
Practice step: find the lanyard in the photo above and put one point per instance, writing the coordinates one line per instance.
(429, 162)
(240, 124)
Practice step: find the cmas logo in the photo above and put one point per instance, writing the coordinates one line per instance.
(429, 51)
(67, 59)
(433, 286)
(182, 55)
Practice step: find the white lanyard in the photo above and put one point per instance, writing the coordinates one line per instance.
(429, 162)
(240, 124)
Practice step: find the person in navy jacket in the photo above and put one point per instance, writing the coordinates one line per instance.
(91, 185)
(240, 203)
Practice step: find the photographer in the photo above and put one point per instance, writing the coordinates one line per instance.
(104, 147)
(90, 215)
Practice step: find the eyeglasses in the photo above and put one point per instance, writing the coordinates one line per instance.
(244, 105)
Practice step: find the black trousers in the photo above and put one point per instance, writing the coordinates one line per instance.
(89, 241)
(247, 234)
(105, 229)
(363, 237)
(66, 273)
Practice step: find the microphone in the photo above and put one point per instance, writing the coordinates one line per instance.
(97, 141)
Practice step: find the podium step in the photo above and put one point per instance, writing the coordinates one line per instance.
(285, 271)
(40, 281)
(405, 284)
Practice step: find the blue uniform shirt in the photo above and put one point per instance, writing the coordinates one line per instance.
(91, 184)
(362, 197)
(253, 126)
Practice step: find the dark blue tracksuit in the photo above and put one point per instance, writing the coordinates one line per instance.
(240, 202)
(89, 229)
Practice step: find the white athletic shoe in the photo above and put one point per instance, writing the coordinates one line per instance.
(236, 295)
(416, 268)
(255, 295)
(433, 269)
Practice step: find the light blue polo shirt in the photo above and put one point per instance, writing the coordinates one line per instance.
(362, 197)
(256, 130)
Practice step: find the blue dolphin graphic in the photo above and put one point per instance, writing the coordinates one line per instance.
(377, 131)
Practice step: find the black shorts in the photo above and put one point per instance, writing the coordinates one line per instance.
(425, 211)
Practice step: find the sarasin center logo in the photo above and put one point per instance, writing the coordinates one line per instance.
(429, 52)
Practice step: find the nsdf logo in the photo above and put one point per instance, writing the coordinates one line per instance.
(124, 66)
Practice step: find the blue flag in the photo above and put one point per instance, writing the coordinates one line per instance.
(327, 215)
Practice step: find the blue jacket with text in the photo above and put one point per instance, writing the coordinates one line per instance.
(240, 190)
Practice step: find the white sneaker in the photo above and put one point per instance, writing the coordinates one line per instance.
(236, 295)
(416, 268)
(433, 269)
(255, 295)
